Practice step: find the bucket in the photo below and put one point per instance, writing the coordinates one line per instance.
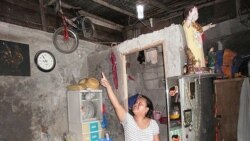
(163, 120)
(157, 114)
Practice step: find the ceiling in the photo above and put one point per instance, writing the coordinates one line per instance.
(114, 19)
(122, 13)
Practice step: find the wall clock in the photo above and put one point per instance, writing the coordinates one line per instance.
(45, 61)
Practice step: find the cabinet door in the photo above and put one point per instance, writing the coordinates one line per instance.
(196, 108)
(82, 119)
(91, 105)
(227, 105)
(174, 108)
(198, 105)
(206, 102)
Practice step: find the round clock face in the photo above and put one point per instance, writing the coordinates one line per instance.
(45, 61)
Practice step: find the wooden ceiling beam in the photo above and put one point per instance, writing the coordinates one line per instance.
(175, 13)
(102, 22)
(101, 2)
(24, 4)
(28, 5)
(173, 8)
(211, 3)
(178, 11)
(157, 4)
(170, 7)
(44, 25)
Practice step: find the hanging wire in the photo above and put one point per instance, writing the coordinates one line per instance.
(146, 25)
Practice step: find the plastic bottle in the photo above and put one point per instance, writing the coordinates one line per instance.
(107, 137)
(185, 69)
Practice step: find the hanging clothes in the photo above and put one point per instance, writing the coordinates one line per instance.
(151, 55)
(244, 112)
(114, 69)
(141, 57)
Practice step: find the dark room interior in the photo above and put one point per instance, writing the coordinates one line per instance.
(191, 58)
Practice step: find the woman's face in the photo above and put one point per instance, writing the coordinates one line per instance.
(140, 106)
(172, 92)
(194, 14)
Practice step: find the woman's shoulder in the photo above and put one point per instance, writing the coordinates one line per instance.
(185, 23)
(128, 118)
(153, 122)
(154, 126)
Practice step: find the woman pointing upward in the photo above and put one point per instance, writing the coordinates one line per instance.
(138, 126)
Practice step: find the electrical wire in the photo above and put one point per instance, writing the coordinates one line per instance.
(146, 25)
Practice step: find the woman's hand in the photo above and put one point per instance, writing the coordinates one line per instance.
(104, 81)
(120, 111)
(210, 25)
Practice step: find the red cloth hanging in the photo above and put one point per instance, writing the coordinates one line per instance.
(114, 69)
(203, 37)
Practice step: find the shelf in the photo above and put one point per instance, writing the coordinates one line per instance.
(175, 127)
(85, 114)
(89, 120)
(90, 90)
(175, 123)
(90, 100)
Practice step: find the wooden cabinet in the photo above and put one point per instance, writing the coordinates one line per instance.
(227, 104)
(85, 114)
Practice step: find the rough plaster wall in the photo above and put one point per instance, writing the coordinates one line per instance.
(172, 36)
(134, 70)
(223, 32)
(173, 44)
(225, 29)
(149, 81)
(159, 101)
(100, 62)
(175, 41)
(30, 104)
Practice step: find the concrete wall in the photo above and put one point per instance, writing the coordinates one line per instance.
(174, 42)
(100, 62)
(148, 80)
(34, 108)
(173, 47)
(225, 28)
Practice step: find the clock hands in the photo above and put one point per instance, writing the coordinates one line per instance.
(44, 58)
(45, 61)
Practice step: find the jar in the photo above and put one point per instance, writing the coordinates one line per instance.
(185, 69)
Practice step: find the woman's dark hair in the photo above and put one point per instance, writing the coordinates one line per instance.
(149, 105)
(187, 10)
(172, 88)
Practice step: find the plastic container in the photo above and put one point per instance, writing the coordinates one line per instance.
(107, 138)
(157, 115)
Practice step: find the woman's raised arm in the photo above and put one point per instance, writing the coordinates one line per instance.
(119, 109)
